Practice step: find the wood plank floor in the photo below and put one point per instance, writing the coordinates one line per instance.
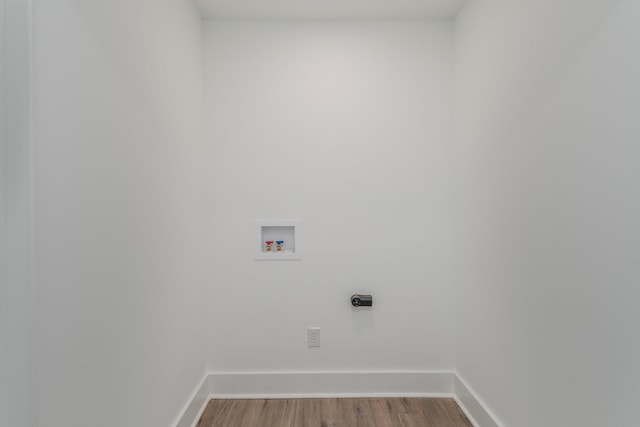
(378, 412)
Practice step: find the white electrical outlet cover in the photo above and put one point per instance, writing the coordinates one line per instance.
(313, 337)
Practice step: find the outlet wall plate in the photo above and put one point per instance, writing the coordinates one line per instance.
(313, 337)
(289, 231)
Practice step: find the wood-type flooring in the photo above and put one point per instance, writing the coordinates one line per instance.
(369, 412)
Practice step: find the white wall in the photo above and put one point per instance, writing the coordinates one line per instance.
(120, 211)
(347, 126)
(549, 233)
(16, 219)
(4, 285)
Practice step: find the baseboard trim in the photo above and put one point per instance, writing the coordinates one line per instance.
(285, 385)
(473, 407)
(329, 384)
(324, 395)
(195, 406)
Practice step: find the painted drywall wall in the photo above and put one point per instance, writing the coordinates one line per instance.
(346, 126)
(120, 211)
(549, 210)
(4, 284)
(16, 217)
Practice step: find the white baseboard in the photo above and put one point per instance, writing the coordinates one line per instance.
(195, 405)
(281, 385)
(472, 406)
(329, 384)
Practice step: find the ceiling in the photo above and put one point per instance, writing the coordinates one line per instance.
(328, 9)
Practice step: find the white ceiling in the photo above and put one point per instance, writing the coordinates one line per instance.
(328, 9)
